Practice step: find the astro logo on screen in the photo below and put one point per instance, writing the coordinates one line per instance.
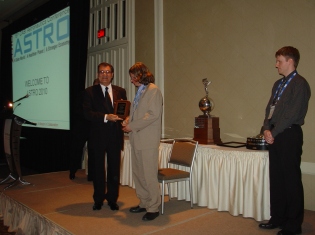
(48, 34)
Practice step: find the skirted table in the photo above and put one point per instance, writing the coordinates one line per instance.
(227, 179)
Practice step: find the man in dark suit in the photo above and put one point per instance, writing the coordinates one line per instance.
(106, 135)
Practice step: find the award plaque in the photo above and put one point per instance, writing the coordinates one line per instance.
(121, 108)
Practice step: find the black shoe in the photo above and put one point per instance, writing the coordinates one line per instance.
(97, 206)
(150, 216)
(268, 226)
(113, 206)
(71, 176)
(286, 232)
(137, 209)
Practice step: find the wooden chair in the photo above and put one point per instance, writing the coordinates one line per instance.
(183, 153)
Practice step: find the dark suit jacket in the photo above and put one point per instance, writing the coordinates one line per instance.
(292, 106)
(95, 108)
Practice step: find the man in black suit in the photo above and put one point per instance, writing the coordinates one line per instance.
(106, 135)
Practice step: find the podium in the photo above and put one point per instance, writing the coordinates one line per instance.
(11, 138)
(207, 130)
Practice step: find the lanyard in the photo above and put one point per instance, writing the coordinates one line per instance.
(281, 88)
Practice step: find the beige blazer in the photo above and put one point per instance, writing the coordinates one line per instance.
(146, 121)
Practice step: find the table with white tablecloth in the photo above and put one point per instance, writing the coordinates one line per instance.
(227, 179)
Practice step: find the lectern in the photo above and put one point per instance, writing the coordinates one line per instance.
(11, 138)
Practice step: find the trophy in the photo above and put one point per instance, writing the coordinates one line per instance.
(207, 129)
(206, 104)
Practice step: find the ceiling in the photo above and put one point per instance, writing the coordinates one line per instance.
(11, 10)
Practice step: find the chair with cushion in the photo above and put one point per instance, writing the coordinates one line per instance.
(183, 153)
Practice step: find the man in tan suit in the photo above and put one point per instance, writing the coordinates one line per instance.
(145, 127)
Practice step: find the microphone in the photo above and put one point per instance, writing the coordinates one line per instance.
(16, 106)
(26, 96)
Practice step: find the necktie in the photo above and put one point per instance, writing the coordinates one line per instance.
(108, 101)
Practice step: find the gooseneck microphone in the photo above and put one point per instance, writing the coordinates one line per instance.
(26, 96)
(16, 106)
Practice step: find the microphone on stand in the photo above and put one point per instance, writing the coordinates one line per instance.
(26, 96)
(16, 106)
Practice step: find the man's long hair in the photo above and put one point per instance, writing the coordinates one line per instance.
(141, 71)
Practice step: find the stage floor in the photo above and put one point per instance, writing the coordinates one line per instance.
(53, 204)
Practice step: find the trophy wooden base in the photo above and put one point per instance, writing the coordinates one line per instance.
(207, 130)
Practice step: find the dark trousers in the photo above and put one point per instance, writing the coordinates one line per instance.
(106, 187)
(286, 188)
(90, 163)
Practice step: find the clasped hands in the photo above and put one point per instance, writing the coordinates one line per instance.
(268, 137)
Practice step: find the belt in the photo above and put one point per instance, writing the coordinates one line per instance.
(293, 125)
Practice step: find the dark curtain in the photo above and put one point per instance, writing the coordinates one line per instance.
(47, 150)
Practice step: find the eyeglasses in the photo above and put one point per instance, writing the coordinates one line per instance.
(104, 72)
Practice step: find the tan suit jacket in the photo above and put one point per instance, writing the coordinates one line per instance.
(146, 125)
(146, 120)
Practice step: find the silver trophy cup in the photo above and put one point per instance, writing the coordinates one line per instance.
(206, 104)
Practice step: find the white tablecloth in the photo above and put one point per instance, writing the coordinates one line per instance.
(226, 179)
